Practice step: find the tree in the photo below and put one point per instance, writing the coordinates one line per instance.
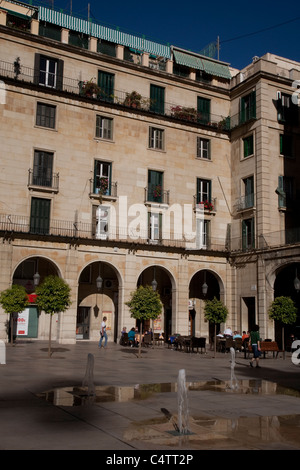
(283, 309)
(13, 300)
(145, 304)
(215, 312)
(53, 296)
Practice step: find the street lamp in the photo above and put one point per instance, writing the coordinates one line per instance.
(99, 281)
(36, 277)
(297, 283)
(154, 282)
(204, 285)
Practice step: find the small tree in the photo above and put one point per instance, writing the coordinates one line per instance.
(283, 309)
(215, 312)
(53, 296)
(145, 304)
(13, 300)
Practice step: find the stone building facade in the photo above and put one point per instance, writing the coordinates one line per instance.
(132, 161)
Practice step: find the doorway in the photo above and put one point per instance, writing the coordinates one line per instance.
(83, 323)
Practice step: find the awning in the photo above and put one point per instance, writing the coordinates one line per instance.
(103, 32)
(211, 67)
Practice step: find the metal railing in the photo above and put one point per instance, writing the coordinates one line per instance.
(50, 182)
(10, 223)
(22, 73)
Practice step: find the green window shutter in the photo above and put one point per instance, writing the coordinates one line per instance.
(106, 82)
(40, 216)
(281, 192)
(157, 99)
(248, 146)
(203, 108)
(42, 168)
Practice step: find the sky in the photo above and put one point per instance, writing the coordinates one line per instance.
(245, 30)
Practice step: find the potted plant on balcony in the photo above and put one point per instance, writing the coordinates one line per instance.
(184, 113)
(102, 188)
(90, 88)
(133, 100)
(207, 205)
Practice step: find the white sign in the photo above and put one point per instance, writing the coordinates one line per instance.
(22, 323)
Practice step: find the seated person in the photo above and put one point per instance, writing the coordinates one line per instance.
(228, 332)
(131, 337)
(236, 335)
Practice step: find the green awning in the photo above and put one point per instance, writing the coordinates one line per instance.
(103, 32)
(212, 67)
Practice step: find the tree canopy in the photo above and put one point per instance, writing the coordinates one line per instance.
(53, 295)
(14, 299)
(145, 303)
(215, 311)
(284, 310)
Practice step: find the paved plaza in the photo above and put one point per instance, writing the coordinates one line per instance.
(86, 398)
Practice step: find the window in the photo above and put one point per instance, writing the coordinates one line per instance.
(45, 115)
(156, 138)
(155, 226)
(102, 222)
(248, 241)
(248, 184)
(106, 82)
(203, 191)
(104, 127)
(287, 111)
(48, 71)
(102, 178)
(203, 109)
(286, 145)
(285, 191)
(40, 216)
(157, 99)
(202, 233)
(155, 186)
(248, 107)
(42, 168)
(248, 146)
(203, 148)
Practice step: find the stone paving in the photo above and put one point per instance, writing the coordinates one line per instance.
(44, 406)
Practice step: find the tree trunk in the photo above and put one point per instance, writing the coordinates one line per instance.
(49, 344)
(215, 340)
(283, 351)
(140, 343)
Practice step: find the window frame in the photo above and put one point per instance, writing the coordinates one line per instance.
(201, 151)
(156, 138)
(44, 119)
(203, 194)
(105, 172)
(248, 146)
(105, 131)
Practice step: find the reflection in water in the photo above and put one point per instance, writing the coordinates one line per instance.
(205, 432)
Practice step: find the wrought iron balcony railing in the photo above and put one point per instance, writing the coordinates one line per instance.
(10, 223)
(132, 100)
(50, 181)
(155, 194)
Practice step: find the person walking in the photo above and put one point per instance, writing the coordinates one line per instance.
(254, 340)
(103, 333)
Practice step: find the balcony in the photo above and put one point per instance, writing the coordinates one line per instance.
(155, 194)
(43, 182)
(18, 224)
(208, 207)
(96, 190)
(245, 203)
(129, 100)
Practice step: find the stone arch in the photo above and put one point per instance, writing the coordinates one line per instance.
(166, 286)
(94, 303)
